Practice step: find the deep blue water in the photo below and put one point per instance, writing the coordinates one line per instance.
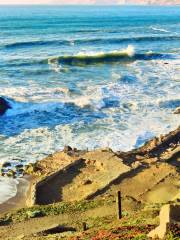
(86, 76)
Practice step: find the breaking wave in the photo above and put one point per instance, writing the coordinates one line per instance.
(56, 63)
(126, 55)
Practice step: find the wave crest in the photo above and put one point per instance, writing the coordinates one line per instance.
(92, 57)
(125, 55)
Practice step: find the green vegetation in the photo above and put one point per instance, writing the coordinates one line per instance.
(133, 225)
(52, 210)
(140, 237)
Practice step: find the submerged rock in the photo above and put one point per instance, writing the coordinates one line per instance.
(4, 106)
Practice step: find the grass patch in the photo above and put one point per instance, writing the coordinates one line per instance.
(52, 210)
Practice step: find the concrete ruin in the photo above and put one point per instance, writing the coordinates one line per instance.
(169, 214)
(76, 178)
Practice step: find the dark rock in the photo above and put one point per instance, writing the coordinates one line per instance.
(11, 173)
(30, 169)
(6, 164)
(106, 149)
(4, 106)
(87, 182)
(67, 149)
(19, 166)
(177, 110)
(20, 171)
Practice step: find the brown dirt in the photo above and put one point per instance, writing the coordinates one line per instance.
(91, 173)
(142, 183)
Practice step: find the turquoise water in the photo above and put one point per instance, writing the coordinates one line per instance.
(88, 77)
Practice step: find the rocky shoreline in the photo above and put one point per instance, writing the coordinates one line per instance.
(95, 171)
(78, 175)
(73, 186)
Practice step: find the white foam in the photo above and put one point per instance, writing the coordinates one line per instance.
(91, 98)
(159, 29)
(82, 102)
(130, 50)
(34, 92)
(54, 65)
(138, 117)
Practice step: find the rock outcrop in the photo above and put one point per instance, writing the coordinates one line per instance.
(75, 178)
(4, 106)
(73, 175)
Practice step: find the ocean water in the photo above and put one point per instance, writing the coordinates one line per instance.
(87, 77)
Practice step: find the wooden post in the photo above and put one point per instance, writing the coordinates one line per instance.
(84, 226)
(119, 207)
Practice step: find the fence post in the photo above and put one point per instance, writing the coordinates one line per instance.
(119, 207)
(84, 226)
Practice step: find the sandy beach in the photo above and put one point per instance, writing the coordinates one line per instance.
(19, 201)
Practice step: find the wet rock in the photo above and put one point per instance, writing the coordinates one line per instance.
(32, 169)
(19, 166)
(29, 169)
(106, 149)
(177, 110)
(2, 172)
(6, 165)
(4, 106)
(11, 173)
(67, 149)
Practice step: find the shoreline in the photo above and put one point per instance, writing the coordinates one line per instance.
(20, 199)
(166, 146)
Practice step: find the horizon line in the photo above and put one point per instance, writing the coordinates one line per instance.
(60, 4)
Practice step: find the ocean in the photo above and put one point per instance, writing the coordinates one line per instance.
(88, 77)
